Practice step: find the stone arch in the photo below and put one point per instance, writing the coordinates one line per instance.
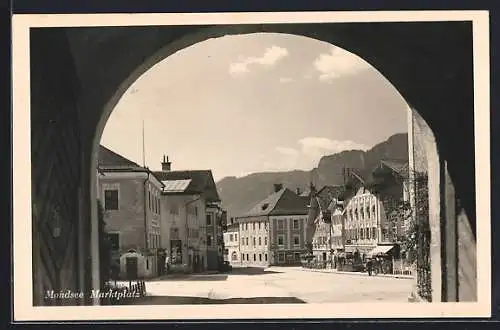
(429, 64)
(431, 148)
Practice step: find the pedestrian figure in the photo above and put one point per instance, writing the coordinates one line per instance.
(167, 265)
(369, 266)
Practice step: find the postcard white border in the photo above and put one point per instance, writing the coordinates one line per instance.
(23, 309)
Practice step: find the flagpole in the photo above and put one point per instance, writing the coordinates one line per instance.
(143, 146)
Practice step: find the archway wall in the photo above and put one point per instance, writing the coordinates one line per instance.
(56, 168)
(429, 63)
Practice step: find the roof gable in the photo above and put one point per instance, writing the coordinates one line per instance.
(397, 166)
(282, 202)
(326, 194)
(193, 182)
(109, 158)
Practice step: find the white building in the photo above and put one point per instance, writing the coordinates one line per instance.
(232, 244)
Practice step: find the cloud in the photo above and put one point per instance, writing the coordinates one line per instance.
(315, 146)
(308, 154)
(270, 57)
(285, 80)
(338, 63)
(287, 151)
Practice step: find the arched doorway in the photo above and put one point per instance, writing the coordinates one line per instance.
(97, 79)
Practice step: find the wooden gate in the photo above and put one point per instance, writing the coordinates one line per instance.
(55, 161)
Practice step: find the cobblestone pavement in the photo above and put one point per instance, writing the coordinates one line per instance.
(276, 285)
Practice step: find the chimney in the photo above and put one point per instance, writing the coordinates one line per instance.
(165, 165)
(278, 187)
(298, 191)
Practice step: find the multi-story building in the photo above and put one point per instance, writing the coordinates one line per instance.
(232, 244)
(193, 219)
(130, 197)
(368, 229)
(338, 232)
(324, 203)
(364, 220)
(215, 225)
(273, 231)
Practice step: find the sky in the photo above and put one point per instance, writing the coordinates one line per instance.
(254, 103)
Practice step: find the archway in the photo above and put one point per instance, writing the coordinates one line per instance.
(102, 78)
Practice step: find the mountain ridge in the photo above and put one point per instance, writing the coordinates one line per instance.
(239, 194)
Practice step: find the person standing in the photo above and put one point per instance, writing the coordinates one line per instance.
(369, 267)
(167, 265)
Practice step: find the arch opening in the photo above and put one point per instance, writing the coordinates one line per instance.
(430, 148)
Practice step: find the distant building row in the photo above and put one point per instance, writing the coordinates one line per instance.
(346, 218)
(151, 216)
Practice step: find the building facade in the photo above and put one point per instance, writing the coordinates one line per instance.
(370, 217)
(323, 204)
(338, 231)
(363, 219)
(130, 198)
(273, 231)
(232, 244)
(193, 219)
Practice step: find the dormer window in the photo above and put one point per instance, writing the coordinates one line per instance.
(265, 206)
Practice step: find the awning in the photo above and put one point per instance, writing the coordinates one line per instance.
(359, 248)
(381, 249)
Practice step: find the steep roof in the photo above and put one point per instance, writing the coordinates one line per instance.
(398, 166)
(202, 182)
(232, 227)
(109, 158)
(326, 194)
(282, 202)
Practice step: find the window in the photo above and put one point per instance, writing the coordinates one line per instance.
(235, 237)
(265, 240)
(174, 208)
(260, 240)
(281, 239)
(242, 241)
(242, 257)
(260, 257)
(147, 264)
(149, 199)
(230, 237)
(246, 241)
(111, 199)
(295, 224)
(247, 257)
(265, 225)
(259, 225)
(209, 219)
(246, 226)
(234, 256)
(265, 257)
(281, 224)
(196, 210)
(254, 241)
(254, 257)
(174, 233)
(209, 240)
(281, 257)
(296, 240)
(114, 240)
